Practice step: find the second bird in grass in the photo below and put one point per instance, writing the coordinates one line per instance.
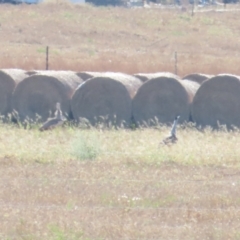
(172, 138)
(57, 120)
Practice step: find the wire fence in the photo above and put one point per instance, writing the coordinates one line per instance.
(175, 61)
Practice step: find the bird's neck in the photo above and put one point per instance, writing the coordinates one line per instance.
(58, 114)
(173, 132)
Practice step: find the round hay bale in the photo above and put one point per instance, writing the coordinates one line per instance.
(147, 76)
(197, 77)
(217, 101)
(39, 93)
(105, 99)
(9, 78)
(162, 99)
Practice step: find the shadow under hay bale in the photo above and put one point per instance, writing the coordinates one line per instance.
(106, 99)
(161, 99)
(87, 75)
(9, 78)
(197, 77)
(32, 72)
(217, 101)
(38, 94)
(147, 76)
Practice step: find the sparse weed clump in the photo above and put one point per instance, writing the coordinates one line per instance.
(85, 146)
(56, 233)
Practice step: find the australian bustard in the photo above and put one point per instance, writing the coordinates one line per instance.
(57, 120)
(172, 138)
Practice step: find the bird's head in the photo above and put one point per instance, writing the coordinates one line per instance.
(58, 105)
(177, 117)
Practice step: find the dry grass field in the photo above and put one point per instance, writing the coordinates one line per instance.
(118, 39)
(117, 184)
(73, 184)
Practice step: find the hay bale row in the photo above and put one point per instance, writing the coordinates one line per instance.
(90, 95)
(159, 96)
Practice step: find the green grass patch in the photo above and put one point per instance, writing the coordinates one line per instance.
(86, 147)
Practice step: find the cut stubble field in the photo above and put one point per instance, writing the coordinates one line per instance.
(73, 183)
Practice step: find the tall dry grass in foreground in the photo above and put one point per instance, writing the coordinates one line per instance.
(117, 184)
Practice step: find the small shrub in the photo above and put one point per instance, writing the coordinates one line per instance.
(58, 233)
(86, 147)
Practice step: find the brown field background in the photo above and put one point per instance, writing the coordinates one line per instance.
(131, 189)
(85, 38)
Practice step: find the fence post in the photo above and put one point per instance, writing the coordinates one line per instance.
(175, 63)
(193, 5)
(47, 52)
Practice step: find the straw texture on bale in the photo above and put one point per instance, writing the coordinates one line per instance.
(106, 98)
(147, 76)
(162, 99)
(197, 77)
(9, 78)
(39, 93)
(87, 75)
(217, 101)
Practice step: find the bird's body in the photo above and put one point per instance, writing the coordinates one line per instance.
(172, 138)
(51, 123)
(58, 113)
